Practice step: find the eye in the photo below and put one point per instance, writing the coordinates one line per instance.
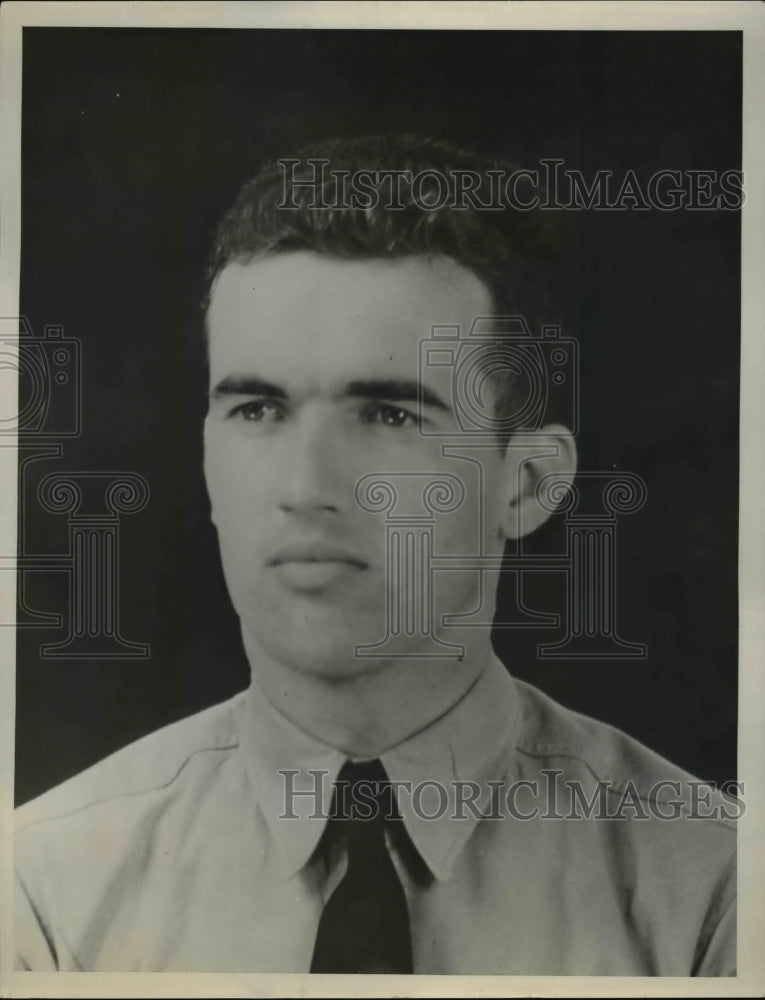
(258, 411)
(388, 415)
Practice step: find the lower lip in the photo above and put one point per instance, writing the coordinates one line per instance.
(315, 575)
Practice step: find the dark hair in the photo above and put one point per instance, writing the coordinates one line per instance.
(508, 248)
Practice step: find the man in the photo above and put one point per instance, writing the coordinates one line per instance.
(384, 796)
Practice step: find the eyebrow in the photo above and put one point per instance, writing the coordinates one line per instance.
(396, 391)
(248, 385)
(393, 390)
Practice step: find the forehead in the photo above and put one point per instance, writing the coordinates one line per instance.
(294, 311)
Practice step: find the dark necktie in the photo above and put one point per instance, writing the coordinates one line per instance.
(364, 926)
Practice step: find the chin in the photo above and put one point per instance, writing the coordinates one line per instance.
(322, 648)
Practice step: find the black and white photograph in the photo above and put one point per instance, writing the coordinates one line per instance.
(381, 560)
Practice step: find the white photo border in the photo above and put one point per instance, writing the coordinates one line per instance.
(748, 17)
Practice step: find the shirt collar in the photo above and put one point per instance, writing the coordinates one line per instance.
(292, 772)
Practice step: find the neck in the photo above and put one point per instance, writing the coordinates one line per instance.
(366, 713)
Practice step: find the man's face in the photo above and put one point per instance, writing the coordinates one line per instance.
(314, 365)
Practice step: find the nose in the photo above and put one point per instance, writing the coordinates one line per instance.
(315, 470)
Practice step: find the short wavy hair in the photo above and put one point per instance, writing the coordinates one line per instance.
(511, 250)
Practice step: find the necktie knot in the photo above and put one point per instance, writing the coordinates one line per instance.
(364, 796)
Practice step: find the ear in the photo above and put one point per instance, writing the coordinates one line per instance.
(528, 459)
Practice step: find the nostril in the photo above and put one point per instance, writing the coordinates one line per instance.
(294, 505)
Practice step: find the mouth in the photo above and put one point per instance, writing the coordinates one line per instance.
(315, 566)
(307, 553)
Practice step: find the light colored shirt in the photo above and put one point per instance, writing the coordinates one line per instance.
(178, 852)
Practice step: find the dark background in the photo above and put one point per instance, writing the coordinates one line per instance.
(135, 141)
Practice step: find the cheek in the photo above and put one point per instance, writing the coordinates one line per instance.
(459, 532)
(473, 529)
(231, 473)
(493, 520)
(222, 488)
(214, 466)
(495, 501)
(236, 496)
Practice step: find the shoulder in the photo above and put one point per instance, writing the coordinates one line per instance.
(641, 829)
(111, 836)
(553, 736)
(152, 763)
